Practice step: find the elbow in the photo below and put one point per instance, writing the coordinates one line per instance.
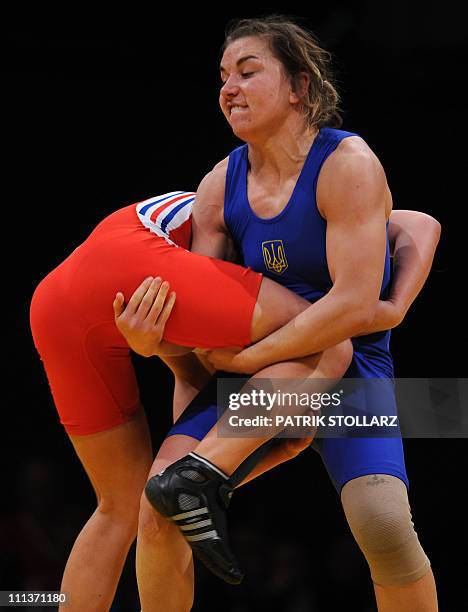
(437, 228)
(366, 317)
(433, 226)
(358, 310)
(362, 318)
(357, 320)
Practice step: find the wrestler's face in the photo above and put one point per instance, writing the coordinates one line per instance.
(256, 95)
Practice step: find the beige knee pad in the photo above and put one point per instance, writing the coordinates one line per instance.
(379, 515)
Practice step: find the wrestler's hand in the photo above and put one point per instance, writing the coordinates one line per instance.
(387, 316)
(228, 359)
(143, 319)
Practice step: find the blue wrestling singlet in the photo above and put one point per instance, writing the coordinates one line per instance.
(290, 248)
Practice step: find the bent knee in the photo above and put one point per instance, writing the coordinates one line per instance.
(120, 509)
(379, 517)
(383, 533)
(152, 525)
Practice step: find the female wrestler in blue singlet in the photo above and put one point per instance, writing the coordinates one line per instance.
(323, 194)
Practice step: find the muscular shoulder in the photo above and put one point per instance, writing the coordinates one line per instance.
(352, 177)
(209, 202)
(214, 182)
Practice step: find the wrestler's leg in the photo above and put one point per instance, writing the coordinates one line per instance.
(117, 463)
(164, 566)
(321, 371)
(370, 476)
(420, 595)
(379, 515)
(190, 491)
(161, 559)
(164, 559)
(96, 394)
(275, 306)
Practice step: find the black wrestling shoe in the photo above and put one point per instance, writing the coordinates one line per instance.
(195, 494)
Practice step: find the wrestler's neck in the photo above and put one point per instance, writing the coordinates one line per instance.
(281, 151)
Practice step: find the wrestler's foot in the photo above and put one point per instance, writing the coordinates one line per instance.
(195, 494)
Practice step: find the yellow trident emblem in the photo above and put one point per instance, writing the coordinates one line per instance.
(274, 256)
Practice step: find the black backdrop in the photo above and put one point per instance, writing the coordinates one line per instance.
(100, 115)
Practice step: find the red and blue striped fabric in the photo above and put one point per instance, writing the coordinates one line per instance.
(169, 216)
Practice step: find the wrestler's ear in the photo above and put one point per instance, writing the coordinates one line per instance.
(299, 86)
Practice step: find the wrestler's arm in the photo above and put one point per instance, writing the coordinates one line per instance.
(413, 238)
(191, 374)
(353, 196)
(142, 323)
(209, 233)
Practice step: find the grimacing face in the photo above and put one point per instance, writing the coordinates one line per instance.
(256, 95)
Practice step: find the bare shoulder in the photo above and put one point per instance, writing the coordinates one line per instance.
(214, 182)
(208, 208)
(222, 166)
(352, 174)
(352, 160)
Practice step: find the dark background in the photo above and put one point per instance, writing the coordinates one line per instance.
(101, 114)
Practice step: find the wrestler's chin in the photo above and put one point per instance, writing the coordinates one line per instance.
(243, 130)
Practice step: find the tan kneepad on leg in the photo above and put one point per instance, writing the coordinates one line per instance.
(379, 515)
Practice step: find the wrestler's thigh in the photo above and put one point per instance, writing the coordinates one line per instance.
(275, 306)
(117, 463)
(349, 458)
(215, 300)
(88, 365)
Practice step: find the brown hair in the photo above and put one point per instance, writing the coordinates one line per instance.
(298, 51)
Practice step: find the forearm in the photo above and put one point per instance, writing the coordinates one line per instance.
(184, 393)
(190, 378)
(413, 240)
(189, 368)
(412, 261)
(328, 322)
